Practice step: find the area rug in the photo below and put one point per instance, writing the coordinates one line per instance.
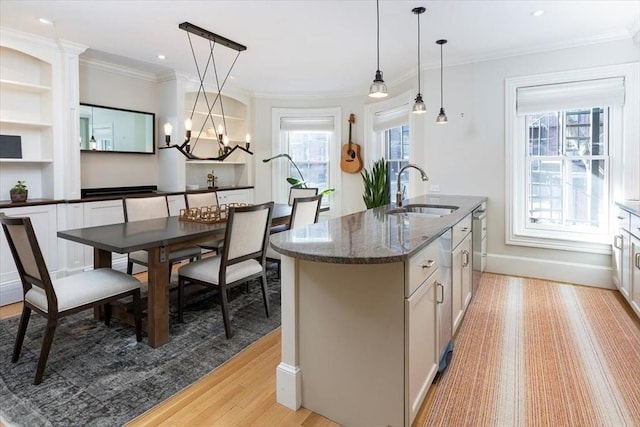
(100, 376)
(538, 353)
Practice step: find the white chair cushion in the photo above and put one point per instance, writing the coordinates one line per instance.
(272, 254)
(142, 257)
(83, 288)
(207, 270)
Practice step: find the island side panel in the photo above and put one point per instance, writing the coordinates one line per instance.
(351, 341)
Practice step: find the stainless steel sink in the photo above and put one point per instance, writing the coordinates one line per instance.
(434, 211)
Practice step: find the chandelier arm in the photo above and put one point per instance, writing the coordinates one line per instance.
(223, 84)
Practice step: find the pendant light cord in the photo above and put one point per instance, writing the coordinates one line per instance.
(378, 32)
(441, 79)
(419, 90)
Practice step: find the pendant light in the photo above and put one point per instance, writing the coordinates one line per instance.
(378, 89)
(442, 117)
(419, 107)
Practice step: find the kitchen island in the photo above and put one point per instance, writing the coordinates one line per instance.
(360, 311)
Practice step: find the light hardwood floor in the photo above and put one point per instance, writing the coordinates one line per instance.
(241, 392)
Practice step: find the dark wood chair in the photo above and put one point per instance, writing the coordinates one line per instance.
(56, 298)
(243, 258)
(305, 211)
(141, 208)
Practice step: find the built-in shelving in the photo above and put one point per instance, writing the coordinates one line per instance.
(21, 86)
(25, 123)
(26, 160)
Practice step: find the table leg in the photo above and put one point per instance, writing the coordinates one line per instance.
(158, 298)
(101, 259)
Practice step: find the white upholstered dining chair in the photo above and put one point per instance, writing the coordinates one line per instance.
(141, 208)
(295, 192)
(201, 200)
(242, 258)
(56, 298)
(305, 211)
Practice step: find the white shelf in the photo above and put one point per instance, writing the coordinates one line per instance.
(24, 123)
(205, 113)
(26, 160)
(25, 87)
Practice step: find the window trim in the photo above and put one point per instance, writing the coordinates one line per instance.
(277, 146)
(624, 155)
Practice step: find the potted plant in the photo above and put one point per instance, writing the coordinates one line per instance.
(19, 192)
(295, 182)
(376, 185)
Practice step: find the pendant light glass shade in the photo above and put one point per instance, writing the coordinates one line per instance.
(378, 89)
(442, 117)
(419, 107)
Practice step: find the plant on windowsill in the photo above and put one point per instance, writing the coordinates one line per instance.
(295, 182)
(376, 184)
(19, 192)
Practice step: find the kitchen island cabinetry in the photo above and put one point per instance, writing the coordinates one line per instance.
(360, 312)
(461, 270)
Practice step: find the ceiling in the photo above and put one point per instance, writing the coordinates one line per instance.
(321, 47)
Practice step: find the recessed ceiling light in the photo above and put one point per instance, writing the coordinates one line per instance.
(161, 56)
(538, 13)
(45, 21)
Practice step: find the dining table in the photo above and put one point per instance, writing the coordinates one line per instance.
(159, 237)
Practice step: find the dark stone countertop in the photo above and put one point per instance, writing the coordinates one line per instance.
(372, 236)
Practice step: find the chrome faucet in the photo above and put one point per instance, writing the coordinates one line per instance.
(423, 175)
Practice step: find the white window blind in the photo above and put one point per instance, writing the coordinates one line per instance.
(566, 96)
(307, 124)
(391, 118)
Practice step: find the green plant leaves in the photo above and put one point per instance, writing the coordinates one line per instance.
(376, 184)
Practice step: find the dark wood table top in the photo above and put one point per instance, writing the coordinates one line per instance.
(138, 235)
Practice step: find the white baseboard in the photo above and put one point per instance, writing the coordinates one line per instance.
(289, 386)
(10, 292)
(559, 271)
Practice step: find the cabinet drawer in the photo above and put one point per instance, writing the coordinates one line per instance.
(634, 226)
(421, 266)
(623, 219)
(460, 231)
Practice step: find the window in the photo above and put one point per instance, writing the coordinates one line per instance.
(309, 136)
(396, 151)
(568, 170)
(569, 156)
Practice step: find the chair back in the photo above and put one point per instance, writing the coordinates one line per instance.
(200, 200)
(28, 257)
(301, 192)
(305, 211)
(247, 234)
(140, 208)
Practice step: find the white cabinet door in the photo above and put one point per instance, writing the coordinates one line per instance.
(44, 221)
(103, 213)
(421, 343)
(461, 275)
(634, 287)
(625, 269)
(235, 196)
(467, 271)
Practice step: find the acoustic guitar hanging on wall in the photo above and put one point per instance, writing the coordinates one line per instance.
(351, 162)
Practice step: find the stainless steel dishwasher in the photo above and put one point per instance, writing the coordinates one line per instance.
(479, 231)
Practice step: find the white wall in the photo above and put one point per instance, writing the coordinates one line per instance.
(115, 87)
(466, 156)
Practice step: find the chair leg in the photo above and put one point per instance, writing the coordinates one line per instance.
(224, 303)
(180, 298)
(263, 278)
(129, 268)
(107, 314)
(279, 270)
(22, 329)
(137, 311)
(46, 347)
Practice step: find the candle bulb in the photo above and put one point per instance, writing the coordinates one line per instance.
(220, 129)
(225, 140)
(167, 132)
(248, 138)
(188, 124)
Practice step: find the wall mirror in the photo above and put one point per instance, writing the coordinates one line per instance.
(115, 130)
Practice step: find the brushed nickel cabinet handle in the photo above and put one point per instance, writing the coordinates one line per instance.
(441, 287)
(617, 241)
(428, 264)
(638, 260)
(465, 262)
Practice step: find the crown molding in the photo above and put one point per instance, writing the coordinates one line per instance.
(119, 69)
